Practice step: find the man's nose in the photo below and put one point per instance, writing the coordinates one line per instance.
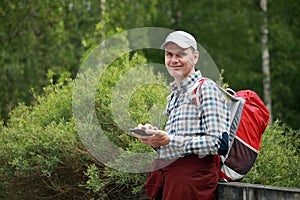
(174, 58)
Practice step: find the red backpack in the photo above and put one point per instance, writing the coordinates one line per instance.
(249, 119)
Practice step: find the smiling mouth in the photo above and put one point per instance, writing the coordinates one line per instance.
(175, 67)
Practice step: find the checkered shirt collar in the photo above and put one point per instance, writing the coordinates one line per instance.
(187, 82)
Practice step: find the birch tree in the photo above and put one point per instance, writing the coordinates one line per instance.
(265, 58)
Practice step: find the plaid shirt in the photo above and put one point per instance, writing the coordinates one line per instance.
(195, 129)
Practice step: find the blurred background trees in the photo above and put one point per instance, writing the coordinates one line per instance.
(46, 40)
(40, 41)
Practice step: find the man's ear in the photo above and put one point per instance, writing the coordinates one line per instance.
(196, 57)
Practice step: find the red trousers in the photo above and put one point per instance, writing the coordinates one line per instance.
(187, 178)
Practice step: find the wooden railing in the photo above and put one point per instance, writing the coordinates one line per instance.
(244, 191)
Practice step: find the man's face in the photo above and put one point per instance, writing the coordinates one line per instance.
(180, 62)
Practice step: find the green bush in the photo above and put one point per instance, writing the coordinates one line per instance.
(122, 104)
(43, 157)
(41, 154)
(278, 161)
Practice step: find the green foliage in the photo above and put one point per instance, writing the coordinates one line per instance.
(45, 40)
(40, 39)
(41, 147)
(94, 181)
(113, 184)
(119, 14)
(278, 160)
(284, 31)
(230, 32)
(135, 90)
(129, 93)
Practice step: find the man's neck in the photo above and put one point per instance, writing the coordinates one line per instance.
(178, 80)
(178, 83)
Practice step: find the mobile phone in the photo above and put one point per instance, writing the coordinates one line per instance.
(140, 132)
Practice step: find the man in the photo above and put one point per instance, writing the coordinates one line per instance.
(194, 134)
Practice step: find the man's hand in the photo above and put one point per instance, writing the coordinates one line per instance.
(159, 138)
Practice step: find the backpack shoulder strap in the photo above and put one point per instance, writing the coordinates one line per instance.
(195, 91)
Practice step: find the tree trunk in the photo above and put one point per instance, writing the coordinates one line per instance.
(266, 58)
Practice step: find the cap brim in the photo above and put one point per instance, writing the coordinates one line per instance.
(180, 44)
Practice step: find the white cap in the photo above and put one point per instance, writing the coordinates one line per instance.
(182, 39)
